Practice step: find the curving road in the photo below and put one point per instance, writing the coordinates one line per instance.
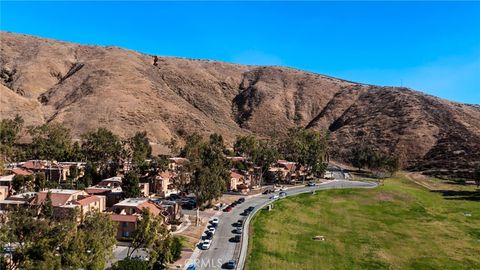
(222, 250)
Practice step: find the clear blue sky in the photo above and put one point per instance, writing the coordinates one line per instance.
(431, 47)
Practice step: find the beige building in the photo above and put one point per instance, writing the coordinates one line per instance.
(67, 202)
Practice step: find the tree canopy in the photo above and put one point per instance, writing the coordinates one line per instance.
(208, 166)
(130, 185)
(52, 142)
(42, 243)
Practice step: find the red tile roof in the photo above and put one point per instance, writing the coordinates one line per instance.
(93, 190)
(33, 164)
(88, 200)
(154, 209)
(124, 218)
(20, 171)
(57, 199)
(166, 174)
(287, 164)
(235, 175)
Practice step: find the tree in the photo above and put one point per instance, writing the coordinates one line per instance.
(192, 148)
(360, 157)
(477, 176)
(103, 149)
(131, 264)
(74, 173)
(176, 248)
(35, 239)
(75, 153)
(10, 129)
(9, 133)
(156, 165)
(40, 181)
(245, 146)
(149, 234)
(263, 157)
(208, 166)
(141, 149)
(308, 148)
(47, 208)
(130, 185)
(22, 183)
(365, 156)
(98, 235)
(51, 141)
(90, 175)
(44, 243)
(18, 182)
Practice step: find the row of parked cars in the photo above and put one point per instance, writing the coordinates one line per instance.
(208, 236)
(232, 205)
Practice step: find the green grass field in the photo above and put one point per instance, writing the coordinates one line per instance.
(399, 225)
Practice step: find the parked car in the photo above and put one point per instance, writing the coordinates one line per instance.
(206, 244)
(283, 194)
(192, 267)
(241, 200)
(274, 197)
(212, 230)
(250, 209)
(267, 191)
(188, 203)
(214, 221)
(311, 184)
(238, 230)
(236, 238)
(208, 235)
(239, 223)
(227, 209)
(232, 264)
(174, 197)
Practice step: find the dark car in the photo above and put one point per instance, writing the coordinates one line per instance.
(247, 211)
(227, 209)
(192, 267)
(230, 264)
(174, 197)
(241, 200)
(189, 204)
(208, 235)
(239, 223)
(236, 239)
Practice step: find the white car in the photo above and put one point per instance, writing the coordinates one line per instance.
(206, 244)
(274, 197)
(212, 230)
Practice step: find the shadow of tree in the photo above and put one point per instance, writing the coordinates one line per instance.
(460, 194)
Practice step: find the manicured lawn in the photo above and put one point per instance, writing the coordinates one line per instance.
(399, 225)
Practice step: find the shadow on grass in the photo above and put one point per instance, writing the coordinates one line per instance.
(460, 195)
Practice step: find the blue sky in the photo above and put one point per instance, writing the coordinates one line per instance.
(433, 47)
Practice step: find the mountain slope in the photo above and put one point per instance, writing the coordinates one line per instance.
(86, 87)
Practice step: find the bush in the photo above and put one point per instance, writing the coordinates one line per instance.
(131, 264)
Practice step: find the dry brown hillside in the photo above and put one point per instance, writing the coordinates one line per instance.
(86, 87)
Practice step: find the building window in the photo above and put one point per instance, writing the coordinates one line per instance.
(125, 234)
(124, 224)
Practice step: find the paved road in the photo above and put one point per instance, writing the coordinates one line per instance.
(223, 250)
